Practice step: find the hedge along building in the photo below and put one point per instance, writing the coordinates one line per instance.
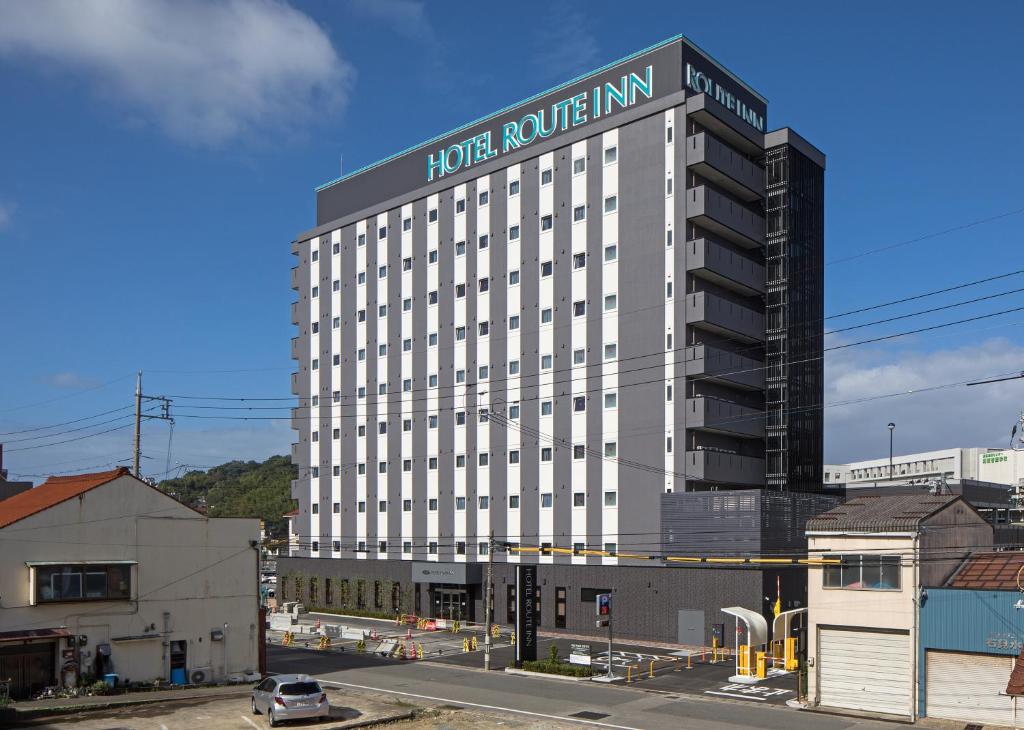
(554, 323)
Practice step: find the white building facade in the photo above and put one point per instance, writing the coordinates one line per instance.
(104, 574)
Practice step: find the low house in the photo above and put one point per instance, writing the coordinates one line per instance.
(972, 629)
(104, 574)
(863, 610)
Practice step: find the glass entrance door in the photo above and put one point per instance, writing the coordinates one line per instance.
(451, 603)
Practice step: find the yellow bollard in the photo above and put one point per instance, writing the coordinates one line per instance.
(689, 661)
(512, 638)
(650, 671)
(465, 645)
(419, 651)
(762, 665)
(472, 643)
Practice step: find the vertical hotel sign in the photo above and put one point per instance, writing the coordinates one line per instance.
(562, 115)
(526, 614)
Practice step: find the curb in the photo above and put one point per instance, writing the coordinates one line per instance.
(31, 713)
(411, 715)
(544, 675)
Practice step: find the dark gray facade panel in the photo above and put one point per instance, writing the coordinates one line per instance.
(394, 409)
(529, 293)
(562, 485)
(641, 324)
(497, 433)
(595, 343)
(646, 599)
(445, 375)
(419, 379)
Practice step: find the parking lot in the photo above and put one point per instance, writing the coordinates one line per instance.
(229, 713)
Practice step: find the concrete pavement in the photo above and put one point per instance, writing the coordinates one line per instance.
(432, 684)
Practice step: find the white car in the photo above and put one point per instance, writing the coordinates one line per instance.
(289, 697)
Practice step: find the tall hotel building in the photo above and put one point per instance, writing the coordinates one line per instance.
(589, 323)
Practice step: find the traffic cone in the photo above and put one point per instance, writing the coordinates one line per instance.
(408, 634)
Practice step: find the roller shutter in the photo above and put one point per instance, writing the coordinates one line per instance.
(968, 687)
(864, 670)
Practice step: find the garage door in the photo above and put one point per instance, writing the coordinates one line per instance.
(864, 670)
(968, 687)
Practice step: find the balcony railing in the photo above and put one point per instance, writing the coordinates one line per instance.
(716, 213)
(711, 260)
(724, 166)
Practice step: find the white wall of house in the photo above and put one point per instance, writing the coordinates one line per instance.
(189, 574)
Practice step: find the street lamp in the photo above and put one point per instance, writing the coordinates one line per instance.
(892, 427)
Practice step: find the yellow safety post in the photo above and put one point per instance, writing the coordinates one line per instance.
(361, 646)
(650, 670)
(762, 665)
(472, 643)
(744, 661)
(792, 663)
(689, 661)
(398, 619)
(512, 638)
(287, 640)
(325, 643)
(465, 645)
(495, 631)
(419, 651)
(714, 650)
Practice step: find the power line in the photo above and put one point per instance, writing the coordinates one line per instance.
(65, 423)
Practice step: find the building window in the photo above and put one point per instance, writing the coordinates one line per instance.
(611, 204)
(513, 367)
(579, 260)
(611, 400)
(315, 508)
(611, 547)
(611, 499)
(579, 165)
(579, 213)
(668, 238)
(545, 453)
(560, 593)
(460, 205)
(579, 499)
(546, 222)
(483, 242)
(460, 502)
(432, 256)
(73, 582)
(579, 403)
(483, 285)
(481, 548)
(513, 456)
(329, 587)
(315, 256)
(484, 370)
(510, 604)
(545, 500)
(513, 187)
(579, 356)
(382, 233)
(460, 461)
(483, 198)
(611, 252)
(579, 451)
(484, 502)
(483, 459)
(513, 501)
(432, 504)
(546, 315)
(406, 547)
(546, 408)
(863, 572)
(545, 362)
(611, 351)
(314, 598)
(432, 547)
(513, 233)
(579, 308)
(611, 449)
(513, 321)
(611, 302)
(432, 215)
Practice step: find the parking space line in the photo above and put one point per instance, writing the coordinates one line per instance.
(477, 704)
(249, 722)
(732, 694)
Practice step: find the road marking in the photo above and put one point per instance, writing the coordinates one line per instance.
(731, 694)
(163, 727)
(249, 722)
(477, 704)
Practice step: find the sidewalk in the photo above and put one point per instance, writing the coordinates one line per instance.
(64, 705)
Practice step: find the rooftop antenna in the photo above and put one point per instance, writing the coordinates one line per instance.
(341, 164)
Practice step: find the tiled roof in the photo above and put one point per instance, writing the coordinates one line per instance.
(52, 492)
(879, 513)
(293, 513)
(991, 571)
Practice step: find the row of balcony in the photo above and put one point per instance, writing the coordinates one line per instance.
(724, 417)
(716, 466)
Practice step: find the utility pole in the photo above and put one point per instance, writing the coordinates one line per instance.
(488, 599)
(165, 415)
(138, 424)
(892, 427)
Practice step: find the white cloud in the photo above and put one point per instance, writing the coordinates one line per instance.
(204, 72)
(954, 417)
(69, 379)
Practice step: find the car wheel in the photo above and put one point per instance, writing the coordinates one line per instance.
(271, 719)
(254, 710)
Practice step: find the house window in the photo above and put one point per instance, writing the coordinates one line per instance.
(82, 582)
(863, 572)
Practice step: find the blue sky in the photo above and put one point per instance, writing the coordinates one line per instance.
(155, 164)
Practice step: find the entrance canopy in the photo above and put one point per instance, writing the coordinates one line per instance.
(757, 627)
(783, 623)
(32, 634)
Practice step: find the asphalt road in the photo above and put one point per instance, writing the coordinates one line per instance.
(436, 683)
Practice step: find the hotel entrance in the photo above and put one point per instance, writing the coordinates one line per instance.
(451, 602)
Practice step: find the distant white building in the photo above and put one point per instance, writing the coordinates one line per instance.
(963, 463)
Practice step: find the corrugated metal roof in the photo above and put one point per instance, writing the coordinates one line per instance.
(878, 513)
(991, 571)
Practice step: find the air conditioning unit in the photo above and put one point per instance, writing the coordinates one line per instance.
(200, 675)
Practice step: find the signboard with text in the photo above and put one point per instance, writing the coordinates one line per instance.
(526, 614)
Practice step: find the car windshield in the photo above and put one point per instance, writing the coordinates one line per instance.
(300, 688)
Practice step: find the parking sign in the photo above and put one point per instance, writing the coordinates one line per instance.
(604, 604)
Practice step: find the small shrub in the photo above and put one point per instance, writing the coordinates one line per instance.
(553, 654)
(556, 667)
